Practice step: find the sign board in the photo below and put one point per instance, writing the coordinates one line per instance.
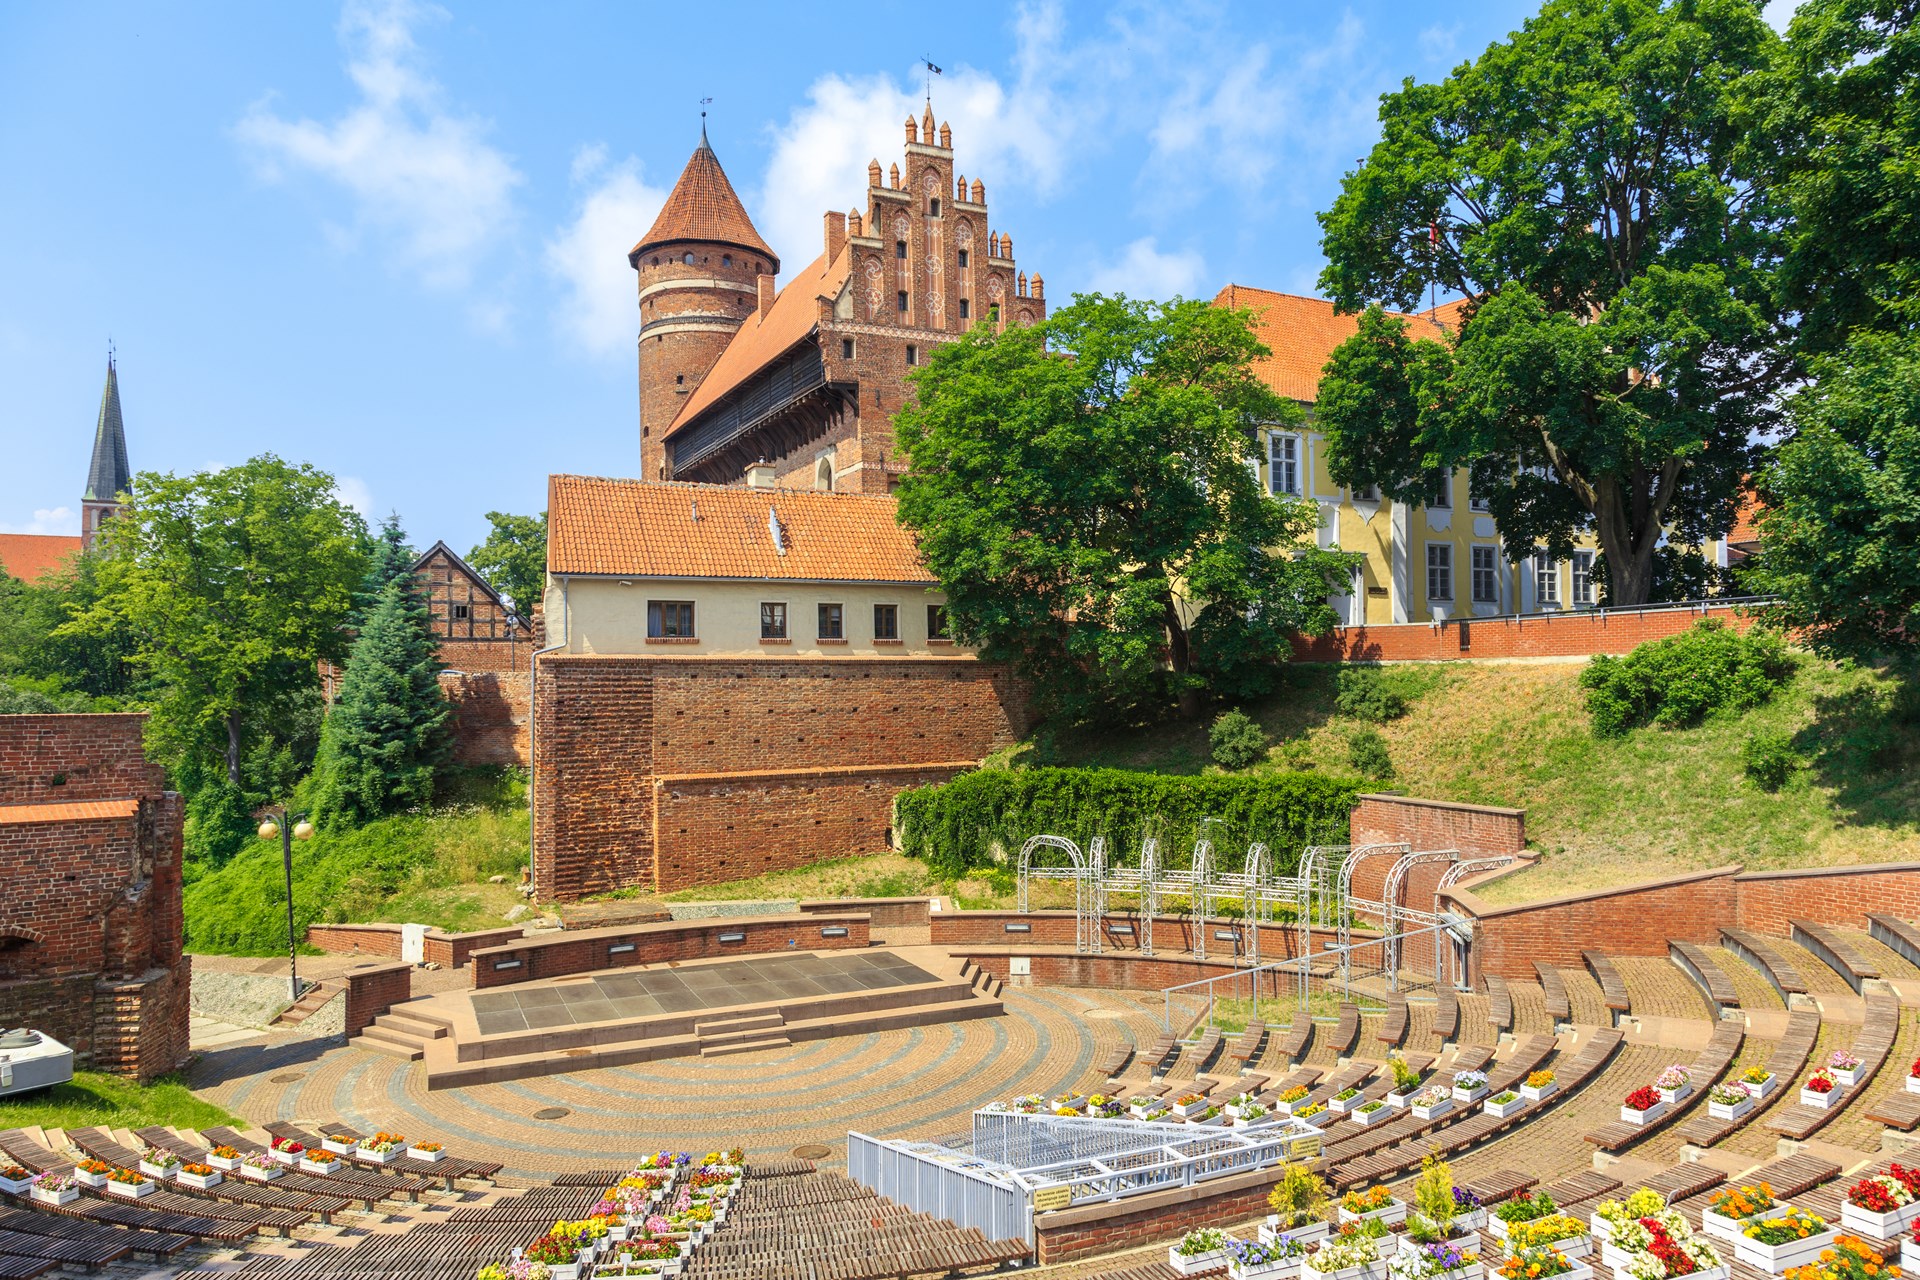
(1047, 1199)
(1307, 1148)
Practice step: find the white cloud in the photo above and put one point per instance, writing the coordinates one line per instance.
(48, 520)
(423, 179)
(353, 491)
(1143, 271)
(1437, 43)
(588, 255)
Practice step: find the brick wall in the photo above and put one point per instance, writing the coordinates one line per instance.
(1576, 633)
(882, 913)
(1159, 1217)
(1637, 920)
(1436, 824)
(1768, 900)
(1122, 971)
(373, 990)
(448, 950)
(1171, 934)
(53, 759)
(490, 715)
(847, 736)
(586, 950)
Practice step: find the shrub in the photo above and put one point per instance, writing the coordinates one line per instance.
(957, 824)
(1769, 759)
(1237, 740)
(1365, 694)
(1679, 680)
(1367, 753)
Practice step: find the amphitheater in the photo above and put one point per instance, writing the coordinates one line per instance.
(837, 1048)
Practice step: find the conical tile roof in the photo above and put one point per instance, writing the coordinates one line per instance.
(704, 208)
(109, 475)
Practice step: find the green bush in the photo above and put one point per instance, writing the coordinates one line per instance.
(1367, 753)
(1769, 759)
(1678, 681)
(957, 825)
(1365, 693)
(1237, 740)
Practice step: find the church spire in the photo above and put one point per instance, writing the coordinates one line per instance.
(703, 209)
(108, 475)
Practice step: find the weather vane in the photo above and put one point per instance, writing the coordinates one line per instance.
(932, 71)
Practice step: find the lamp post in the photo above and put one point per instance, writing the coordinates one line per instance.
(289, 827)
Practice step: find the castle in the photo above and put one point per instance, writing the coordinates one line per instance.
(805, 379)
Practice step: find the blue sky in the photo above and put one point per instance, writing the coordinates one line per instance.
(390, 239)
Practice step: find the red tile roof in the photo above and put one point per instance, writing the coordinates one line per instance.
(70, 811)
(703, 207)
(31, 556)
(1302, 333)
(679, 530)
(761, 338)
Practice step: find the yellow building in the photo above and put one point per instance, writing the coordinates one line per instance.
(1439, 560)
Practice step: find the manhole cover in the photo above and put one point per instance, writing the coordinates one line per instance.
(287, 1077)
(551, 1113)
(812, 1151)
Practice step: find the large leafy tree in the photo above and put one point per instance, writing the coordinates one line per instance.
(1082, 491)
(37, 646)
(229, 586)
(389, 732)
(1581, 185)
(513, 559)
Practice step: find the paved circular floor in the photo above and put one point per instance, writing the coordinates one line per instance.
(919, 1082)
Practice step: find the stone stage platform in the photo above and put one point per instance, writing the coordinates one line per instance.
(708, 1008)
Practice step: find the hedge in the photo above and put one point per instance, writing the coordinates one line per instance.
(959, 825)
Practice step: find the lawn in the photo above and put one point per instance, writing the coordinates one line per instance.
(95, 1099)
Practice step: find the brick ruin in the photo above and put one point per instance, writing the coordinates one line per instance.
(90, 917)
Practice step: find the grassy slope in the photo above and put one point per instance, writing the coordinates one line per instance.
(94, 1099)
(1601, 812)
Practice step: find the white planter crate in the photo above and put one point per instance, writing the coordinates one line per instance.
(1713, 1273)
(1371, 1117)
(1398, 1101)
(1465, 1096)
(1393, 1215)
(132, 1191)
(1501, 1110)
(563, 1271)
(1881, 1226)
(1344, 1105)
(315, 1167)
(339, 1146)
(16, 1186)
(378, 1157)
(94, 1180)
(1366, 1271)
(284, 1157)
(1913, 1084)
(1846, 1079)
(1435, 1111)
(1534, 1093)
(1651, 1115)
(1816, 1099)
(1909, 1252)
(258, 1174)
(56, 1198)
(1190, 1109)
(1284, 1269)
(1775, 1259)
(1496, 1227)
(1722, 1227)
(1672, 1096)
(419, 1153)
(1471, 1220)
(229, 1163)
(1194, 1265)
(1313, 1231)
(201, 1181)
(1763, 1088)
(158, 1172)
(1729, 1110)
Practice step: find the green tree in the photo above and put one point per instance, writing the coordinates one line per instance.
(1585, 186)
(389, 733)
(1081, 490)
(1840, 520)
(229, 586)
(34, 645)
(513, 559)
(388, 557)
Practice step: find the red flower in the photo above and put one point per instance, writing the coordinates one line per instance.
(1908, 1178)
(1871, 1196)
(1645, 1098)
(1914, 1070)
(1661, 1246)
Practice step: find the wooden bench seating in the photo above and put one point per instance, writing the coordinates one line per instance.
(1246, 1046)
(1789, 1057)
(1897, 1111)
(1110, 1067)
(1500, 1185)
(1291, 1046)
(1393, 1027)
(1834, 951)
(19, 1244)
(1588, 1184)
(1155, 1058)
(1713, 984)
(1471, 1057)
(448, 1167)
(1446, 1012)
(158, 1245)
(1708, 1067)
(1613, 988)
(14, 1268)
(1554, 988)
(1871, 1046)
(1204, 1048)
(356, 1169)
(1499, 1003)
(272, 1207)
(1780, 973)
(1897, 935)
(1346, 1032)
(30, 1155)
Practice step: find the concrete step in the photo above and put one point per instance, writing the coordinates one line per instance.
(708, 1049)
(419, 1028)
(740, 1037)
(379, 1035)
(317, 998)
(727, 1026)
(406, 1052)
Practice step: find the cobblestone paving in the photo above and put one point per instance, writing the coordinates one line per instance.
(1755, 991)
(1853, 1129)
(1659, 989)
(1584, 995)
(1890, 962)
(919, 1082)
(1552, 1147)
(1819, 977)
(1530, 1015)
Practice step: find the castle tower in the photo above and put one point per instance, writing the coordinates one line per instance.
(700, 271)
(108, 476)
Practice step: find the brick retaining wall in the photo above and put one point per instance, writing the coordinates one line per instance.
(1158, 1217)
(884, 913)
(1473, 829)
(448, 950)
(586, 950)
(1827, 895)
(1574, 633)
(373, 990)
(490, 714)
(1172, 935)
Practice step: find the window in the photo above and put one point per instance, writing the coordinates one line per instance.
(937, 622)
(846, 348)
(1283, 463)
(833, 622)
(913, 354)
(886, 622)
(679, 379)
(965, 309)
(1476, 499)
(670, 619)
(963, 259)
(993, 312)
(1546, 579)
(773, 620)
(462, 612)
(1486, 575)
(726, 259)
(1441, 499)
(687, 259)
(903, 301)
(1583, 577)
(1439, 571)
(899, 248)
(933, 208)
(1370, 493)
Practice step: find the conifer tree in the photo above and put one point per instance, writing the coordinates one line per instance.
(388, 557)
(388, 734)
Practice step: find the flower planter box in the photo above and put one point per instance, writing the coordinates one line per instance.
(421, 1153)
(1313, 1231)
(1365, 1271)
(1534, 1093)
(1880, 1226)
(315, 1167)
(1287, 1108)
(1913, 1084)
(95, 1180)
(1188, 1110)
(1574, 1247)
(202, 1181)
(1283, 1269)
(1435, 1111)
(1651, 1115)
(1393, 1215)
(259, 1174)
(1814, 1098)
(1725, 1228)
(1846, 1079)
(1614, 1256)
(16, 1186)
(1194, 1264)
(1763, 1088)
(1465, 1096)
(1775, 1259)
(229, 1163)
(1364, 1118)
(378, 1157)
(1909, 1251)
(132, 1191)
(1074, 1100)
(1497, 1227)
(1729, 1110)
(1141, 1113)
(1343, 1106)
(66, 1195)
(563, 1271)
(1219, 1122)
(1501, 1110)
(1469, 1220)
(1713, 1273)
(158, 1172)
(1672, 1096)
(1399, 1101)
(285, 1157)
(339, 1146)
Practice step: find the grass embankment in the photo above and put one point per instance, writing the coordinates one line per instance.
(94, 1099)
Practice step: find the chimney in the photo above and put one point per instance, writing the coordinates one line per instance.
(766, 295)
(836, 234)
(760, 475)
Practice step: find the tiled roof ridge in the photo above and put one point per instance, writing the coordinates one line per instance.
(1231, 291)
(838, 495)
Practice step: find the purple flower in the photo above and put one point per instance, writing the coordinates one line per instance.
(1465, 1199)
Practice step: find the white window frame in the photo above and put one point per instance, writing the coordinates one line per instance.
(1441, 499)
(1491, 569)
(1583, 592)
(1546, 579)
(1283, 472)
(1440, 568)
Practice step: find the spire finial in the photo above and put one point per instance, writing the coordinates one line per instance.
(704, 104)
(932, 71)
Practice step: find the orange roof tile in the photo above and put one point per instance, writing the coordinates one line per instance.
(760, 338)
(1302, 333)
(31, 556)
(681, 530)
(69, 811)
(703, 207)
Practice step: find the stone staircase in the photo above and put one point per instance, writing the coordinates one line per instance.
(741, 1035)
(983, 982)
(317, 997)
(401, 1034)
